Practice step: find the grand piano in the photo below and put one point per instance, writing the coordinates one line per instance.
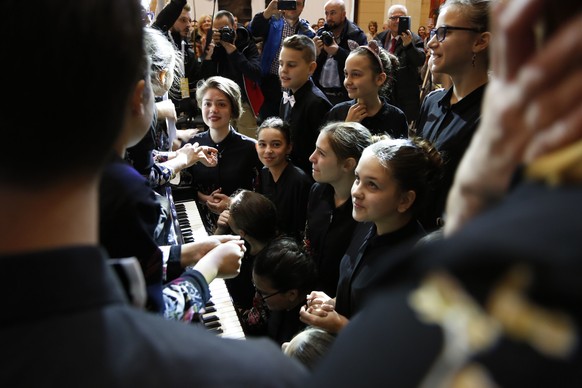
(219, 315)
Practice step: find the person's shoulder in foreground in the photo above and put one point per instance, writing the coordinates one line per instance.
(497, 301)
(68, 322)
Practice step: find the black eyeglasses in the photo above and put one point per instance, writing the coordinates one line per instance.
(441, 32)
(265, 297)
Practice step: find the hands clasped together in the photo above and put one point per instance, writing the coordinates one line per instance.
(319, 311)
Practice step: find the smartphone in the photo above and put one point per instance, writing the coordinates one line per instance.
(287, 4)
(403, 24)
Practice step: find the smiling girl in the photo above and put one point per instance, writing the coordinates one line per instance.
(238, 164)
(394, 177)
(368, 77)
(280, 180)
(449, 117)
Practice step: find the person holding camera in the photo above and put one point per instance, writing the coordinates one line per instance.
(233, 54)
(331, 43)
(273, 25)
(174, 21)
(409, 49)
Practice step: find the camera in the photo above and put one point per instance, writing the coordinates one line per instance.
(286, 4)
(327, 38)
(226, 34)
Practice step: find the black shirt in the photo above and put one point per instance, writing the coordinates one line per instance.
(360, 264)
(305, 119)
(290, 195)
(238, 167)
(389, 119)
(450, 129)
(328, 234)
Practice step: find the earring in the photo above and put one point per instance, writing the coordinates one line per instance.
(473, 59)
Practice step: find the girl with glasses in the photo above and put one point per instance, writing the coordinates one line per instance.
(448, 118)
(283, 274)
(253, 217)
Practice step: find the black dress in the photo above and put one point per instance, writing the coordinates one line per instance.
(290, 195)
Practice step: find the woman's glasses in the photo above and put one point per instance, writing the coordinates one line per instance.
(441, 32)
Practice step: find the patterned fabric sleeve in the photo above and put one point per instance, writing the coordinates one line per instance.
(186, 296)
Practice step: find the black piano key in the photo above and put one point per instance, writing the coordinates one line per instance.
(210, 318)
(209, 309)
(212, 325)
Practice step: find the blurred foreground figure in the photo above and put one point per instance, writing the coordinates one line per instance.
(68, 322)
(497, 302)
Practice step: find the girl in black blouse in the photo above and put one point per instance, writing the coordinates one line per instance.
(330, 225)
(280, 180)
(283, 274)
(449, 117)
(238, 165)
(369, 73)
(394, 177)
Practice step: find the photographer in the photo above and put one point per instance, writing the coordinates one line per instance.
(331, 43)
(233, 54)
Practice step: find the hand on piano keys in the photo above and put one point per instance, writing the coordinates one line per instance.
(224, 261)
(193, 251)
(221, 316)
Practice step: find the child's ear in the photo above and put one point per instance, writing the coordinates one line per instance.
(350, 164)
(406, 201)
(312, 67)
(137, 100)
(381, 78)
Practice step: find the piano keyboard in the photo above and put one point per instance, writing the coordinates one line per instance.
(189, 221)
(220, 315)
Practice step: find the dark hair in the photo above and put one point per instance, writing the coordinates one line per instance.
(347, 139)
(477, 11)
(225, 13)
(390, 64)
(284, 262)
(227, 86)
(278, 124)
(255, 214)
(301, 43)
(100, 66)
(414, 163)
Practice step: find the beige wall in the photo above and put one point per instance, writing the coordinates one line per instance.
(378, 10)
(367, 10)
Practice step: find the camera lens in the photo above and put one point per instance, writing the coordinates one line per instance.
(227, 34)
(327, 38)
